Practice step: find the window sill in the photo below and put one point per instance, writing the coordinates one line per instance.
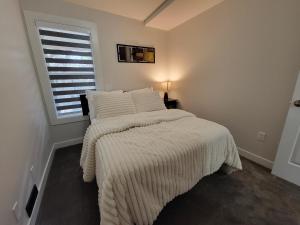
(66, 120)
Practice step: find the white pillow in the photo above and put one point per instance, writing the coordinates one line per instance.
(114, 104)
(148, 101)
(150, 89)
(90, 95)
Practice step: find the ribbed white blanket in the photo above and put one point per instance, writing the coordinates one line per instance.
(143, 161)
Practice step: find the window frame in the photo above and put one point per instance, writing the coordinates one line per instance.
(33, 19)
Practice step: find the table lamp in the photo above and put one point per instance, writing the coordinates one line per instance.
(166, 85)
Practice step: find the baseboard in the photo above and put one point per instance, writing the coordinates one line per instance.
(42, 184)
(256, 158)
(70, 142)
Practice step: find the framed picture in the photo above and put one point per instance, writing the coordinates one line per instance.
(135, 54)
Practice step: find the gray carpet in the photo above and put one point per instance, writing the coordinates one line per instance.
(249, 197)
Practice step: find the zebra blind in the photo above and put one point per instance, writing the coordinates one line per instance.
(69, 61)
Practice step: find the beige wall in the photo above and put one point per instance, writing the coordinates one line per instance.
(237, 64)
(24, 130)
(112, 29)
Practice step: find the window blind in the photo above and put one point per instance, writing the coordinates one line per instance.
(69, 61)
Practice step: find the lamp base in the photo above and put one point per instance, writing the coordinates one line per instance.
(166, 97)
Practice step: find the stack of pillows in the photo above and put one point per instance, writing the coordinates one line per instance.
(116, 103)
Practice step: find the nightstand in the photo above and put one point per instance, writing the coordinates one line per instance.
(171, 103)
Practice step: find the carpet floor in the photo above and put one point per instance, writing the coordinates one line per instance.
(249, 197)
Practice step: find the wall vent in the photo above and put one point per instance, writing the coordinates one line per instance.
(31, 200)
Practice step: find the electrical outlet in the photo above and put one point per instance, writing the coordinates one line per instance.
(31, 169)
(31, 172)
(261, 136)
(15, 211)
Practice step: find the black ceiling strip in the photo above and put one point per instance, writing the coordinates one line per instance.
(68, 107)
(78, 61)
(65, 44)
(70, 77)
(62, 100)
(83, 84)
(63, 52)
(83, 69)
(73, 92)
(64, 35)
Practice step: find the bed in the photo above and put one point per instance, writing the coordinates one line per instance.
(142, 161)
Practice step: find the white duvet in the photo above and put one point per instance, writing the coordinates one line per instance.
(143, 161)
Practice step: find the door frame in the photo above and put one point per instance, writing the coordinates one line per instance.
(284, 167)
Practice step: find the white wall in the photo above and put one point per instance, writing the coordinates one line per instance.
(24, 138)
(112, 29)
(237, 64)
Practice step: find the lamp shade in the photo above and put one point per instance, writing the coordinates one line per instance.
(166, 86)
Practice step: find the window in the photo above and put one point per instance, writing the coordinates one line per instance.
(68, 59)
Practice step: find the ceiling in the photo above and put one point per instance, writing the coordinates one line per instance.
(135, 9)
(161, 14)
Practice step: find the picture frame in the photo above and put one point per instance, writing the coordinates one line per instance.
(135, 54)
